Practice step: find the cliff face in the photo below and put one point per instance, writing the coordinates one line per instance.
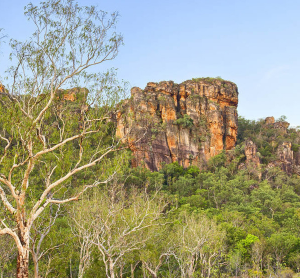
(188, 122)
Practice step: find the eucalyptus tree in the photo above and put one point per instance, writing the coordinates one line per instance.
(40, 230)
(123, 223)
(197, 246)
(51, 137)
(158, 250)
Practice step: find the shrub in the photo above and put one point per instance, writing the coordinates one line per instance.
(295, 147)
(186, 121)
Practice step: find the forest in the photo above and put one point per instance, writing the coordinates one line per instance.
(221, 221)
(73, 205)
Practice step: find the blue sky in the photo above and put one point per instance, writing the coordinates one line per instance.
(255, 44)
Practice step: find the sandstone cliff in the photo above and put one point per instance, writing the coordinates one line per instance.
(188, 122)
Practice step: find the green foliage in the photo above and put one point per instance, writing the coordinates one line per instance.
(186, 121)
(217, 161)
(161, 98)
(208, 79)
(282, 118)
(266, 137)
(51, 137)
(295, 147)
(220, 221)
(244, 245)
(195, 97)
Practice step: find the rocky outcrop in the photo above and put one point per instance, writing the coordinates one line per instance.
(252, 163)
(281, 126)
(285, 157)
(251, 154)
(75, 94)
(269, 120)
(188, 122)
(76, 99)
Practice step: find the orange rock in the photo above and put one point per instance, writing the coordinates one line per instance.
(70, 96)
(188, 123)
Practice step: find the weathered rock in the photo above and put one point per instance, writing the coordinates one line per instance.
(188, 122)
(269, 120)
(281, 126)
(252, 156)
(252, 163)
(285, 157)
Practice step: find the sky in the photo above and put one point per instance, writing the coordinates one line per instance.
(255, 44)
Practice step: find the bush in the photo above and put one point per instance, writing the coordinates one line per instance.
(186, 121)
(295, 147)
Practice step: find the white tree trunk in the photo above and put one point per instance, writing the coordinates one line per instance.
(23, 262)
(23, 249)
(36, 265)
(111, 268)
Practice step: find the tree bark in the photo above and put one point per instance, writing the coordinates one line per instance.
(153, 273)
(132, 268)
(111, 268)
(23, 262)
(23, 248)
(36, 266)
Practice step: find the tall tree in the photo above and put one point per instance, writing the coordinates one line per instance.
(198, 244)
(46, 131)
(40, 230)
(123, 224)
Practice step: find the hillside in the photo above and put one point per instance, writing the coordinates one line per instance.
(193, 121)
(196, 191)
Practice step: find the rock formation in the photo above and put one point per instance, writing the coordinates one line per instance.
(188, 122)
(285, 157)
(252, 163)
(78, 95)
(281, 126)
(251, 153)
(269, 120)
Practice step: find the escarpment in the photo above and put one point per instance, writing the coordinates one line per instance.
(188, 122)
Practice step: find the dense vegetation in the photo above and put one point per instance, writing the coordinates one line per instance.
(223, 221)
(71, 204)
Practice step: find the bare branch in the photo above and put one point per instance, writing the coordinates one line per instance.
(10, 232)
(6, 203)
